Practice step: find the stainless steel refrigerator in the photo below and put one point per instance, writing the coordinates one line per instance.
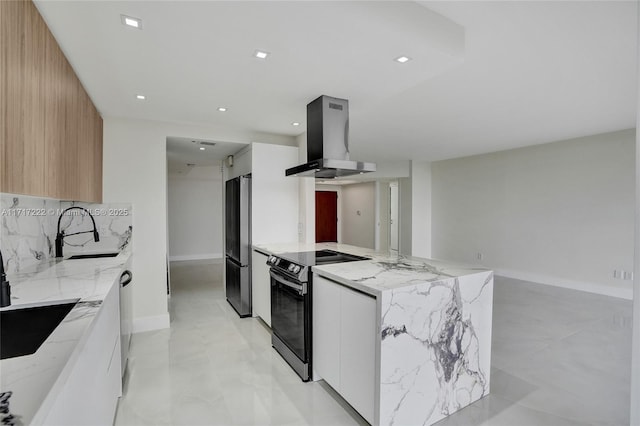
(238, 244)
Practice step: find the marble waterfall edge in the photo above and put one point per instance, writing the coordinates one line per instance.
(435, 348)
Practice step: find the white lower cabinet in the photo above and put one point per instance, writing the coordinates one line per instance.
(90, 395)
(357, 350)
(344, 342)
(260, 287)
(326, 330)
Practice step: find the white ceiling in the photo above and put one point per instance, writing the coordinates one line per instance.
(528, 72)
(184, 153)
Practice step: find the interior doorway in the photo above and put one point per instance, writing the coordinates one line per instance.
(393, 217)
(326, 216)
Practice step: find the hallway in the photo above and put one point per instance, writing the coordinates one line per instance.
(214, 368)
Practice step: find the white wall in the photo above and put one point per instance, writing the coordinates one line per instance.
(195, 216)
(134, 170)
(559, 213)
(307, 198)
(242, 163)
(274, 200)
(421, 209)
(405, 224)
(382, 218)
(635, 363)
(358, 214)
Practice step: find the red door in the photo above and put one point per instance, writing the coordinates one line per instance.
(326, 217)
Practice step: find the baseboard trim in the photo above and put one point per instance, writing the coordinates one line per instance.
(589, 287)
(205, 256)
(158, 322)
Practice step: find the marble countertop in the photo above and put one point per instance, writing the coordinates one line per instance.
(36, 379)
(383, 272)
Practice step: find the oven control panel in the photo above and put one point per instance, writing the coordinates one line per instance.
(284, 265)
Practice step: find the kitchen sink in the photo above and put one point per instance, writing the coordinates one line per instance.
(24, 330)
(93, 255)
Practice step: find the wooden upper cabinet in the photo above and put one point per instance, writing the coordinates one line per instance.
(50, 131)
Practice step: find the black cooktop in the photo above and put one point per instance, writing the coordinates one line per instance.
(320, 257)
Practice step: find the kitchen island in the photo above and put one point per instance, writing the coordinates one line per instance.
(404, 340)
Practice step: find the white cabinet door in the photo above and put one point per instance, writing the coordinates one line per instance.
(344, 342)
(260, 287)
(326, 330)
(357, 350)
(90, 395)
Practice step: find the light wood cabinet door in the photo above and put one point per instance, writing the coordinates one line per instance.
(51, 133)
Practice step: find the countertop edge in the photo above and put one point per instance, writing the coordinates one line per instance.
(261, 250)
(348, 283)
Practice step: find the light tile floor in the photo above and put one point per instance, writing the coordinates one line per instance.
(560, 357)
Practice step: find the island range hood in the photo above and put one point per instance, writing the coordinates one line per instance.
(328, 142)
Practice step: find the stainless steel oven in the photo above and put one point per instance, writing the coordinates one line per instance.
(291, 316)
(291, 321)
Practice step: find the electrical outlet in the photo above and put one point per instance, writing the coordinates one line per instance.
(479, 256)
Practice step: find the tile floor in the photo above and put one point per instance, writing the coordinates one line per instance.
(560, 357)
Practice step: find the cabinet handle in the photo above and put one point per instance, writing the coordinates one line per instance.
(300, 288)
(126, 278)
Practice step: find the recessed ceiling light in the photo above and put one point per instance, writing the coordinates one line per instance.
(222, 109)
(261, 54)
(131, 21)
(295, 123)
(141, 97)
(403, 59)
(202, 148)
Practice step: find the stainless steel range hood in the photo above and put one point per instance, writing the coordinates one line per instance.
(328, 142)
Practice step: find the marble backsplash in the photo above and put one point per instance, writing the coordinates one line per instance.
(29, 227)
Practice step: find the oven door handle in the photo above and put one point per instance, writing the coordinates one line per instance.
(300, 288)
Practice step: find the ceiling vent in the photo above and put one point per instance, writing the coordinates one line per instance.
(204, 143)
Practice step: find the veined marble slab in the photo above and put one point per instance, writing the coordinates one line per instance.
(435, 320)
(29, 227)
(435, 355)
(384, 271)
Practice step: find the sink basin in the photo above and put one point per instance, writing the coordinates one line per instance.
(93, 255)
(24, 330)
